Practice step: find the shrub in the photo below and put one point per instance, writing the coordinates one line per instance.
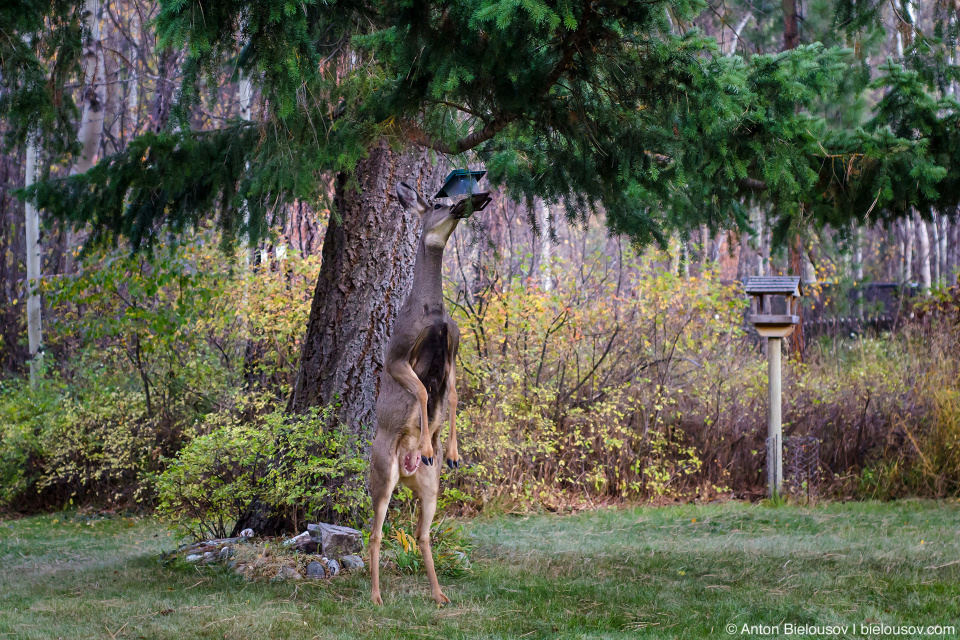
(61, 443)
(276, 459)
(140, 350)
(585, 388)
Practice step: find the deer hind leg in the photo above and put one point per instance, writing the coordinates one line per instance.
(384, 473)
(452, 454)
(428, 486)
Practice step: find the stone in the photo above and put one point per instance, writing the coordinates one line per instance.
(246, 533)
(316, 570)
(305, 543)
(333, 567)
(336, 541)
(225, 553)
(289, 573)
(462, 558)
(352, 562)
(194, 557)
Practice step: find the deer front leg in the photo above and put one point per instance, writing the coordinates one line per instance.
(452, 454)
(407, 378)
(384, 474)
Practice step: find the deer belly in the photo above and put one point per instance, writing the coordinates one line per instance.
(430, 365)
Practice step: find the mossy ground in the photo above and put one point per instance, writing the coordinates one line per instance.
(670, 572)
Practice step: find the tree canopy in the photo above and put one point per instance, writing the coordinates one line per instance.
(618, 105)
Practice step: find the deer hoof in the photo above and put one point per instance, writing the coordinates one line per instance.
(453, 464)
(427, 461)
(377, 600)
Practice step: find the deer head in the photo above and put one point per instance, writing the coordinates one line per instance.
(439, 221)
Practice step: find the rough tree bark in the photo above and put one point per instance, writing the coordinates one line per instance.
(365, 273)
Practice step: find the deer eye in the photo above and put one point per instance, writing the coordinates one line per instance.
(437, 206)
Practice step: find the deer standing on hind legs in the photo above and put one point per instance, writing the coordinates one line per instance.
(418, 383)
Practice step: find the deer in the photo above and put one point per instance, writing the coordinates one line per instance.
(418, 384)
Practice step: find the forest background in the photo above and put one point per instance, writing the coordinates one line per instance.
(605, 354)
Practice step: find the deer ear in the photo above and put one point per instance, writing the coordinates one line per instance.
(410, 199)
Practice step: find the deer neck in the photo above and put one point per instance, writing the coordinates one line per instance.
(427, 289)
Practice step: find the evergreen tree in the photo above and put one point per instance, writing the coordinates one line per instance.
(614, 105)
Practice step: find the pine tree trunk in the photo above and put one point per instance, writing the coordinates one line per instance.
(365, 274)
(366, 271)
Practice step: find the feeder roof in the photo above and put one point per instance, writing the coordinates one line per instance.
(774, 285)
(460, 182)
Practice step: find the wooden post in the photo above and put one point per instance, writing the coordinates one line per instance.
(774, 435)
(774, 327)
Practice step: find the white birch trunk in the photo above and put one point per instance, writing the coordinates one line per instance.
(93, 97)
(858, 255)
(245, 98)
(935, 250)
(133, 89)
(908, 250)
(943, 271)
(32, 220)
(763, 265)
(93, 101)
(954, 246)
(924, 252)
(675, 249)
(809, 270)
(546, 250)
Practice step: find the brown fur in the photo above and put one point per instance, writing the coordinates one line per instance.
(417, 385)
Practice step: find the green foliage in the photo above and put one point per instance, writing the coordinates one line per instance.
(87, 440)
(40, 53)
(149, 346)
(588, 389)
(449, 543)
(614, 107)
(289, 461)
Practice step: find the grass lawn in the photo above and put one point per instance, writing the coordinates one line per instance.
(673, 572)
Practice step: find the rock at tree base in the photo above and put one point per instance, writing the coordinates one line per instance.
(305, 543)
(335, 541)
(316, 570)
(352, 562)
(289, 573)
(333, 567)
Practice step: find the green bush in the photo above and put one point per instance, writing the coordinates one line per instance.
(62, 443)
(276, 459)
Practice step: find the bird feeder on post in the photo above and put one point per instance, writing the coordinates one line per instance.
(775, 301)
